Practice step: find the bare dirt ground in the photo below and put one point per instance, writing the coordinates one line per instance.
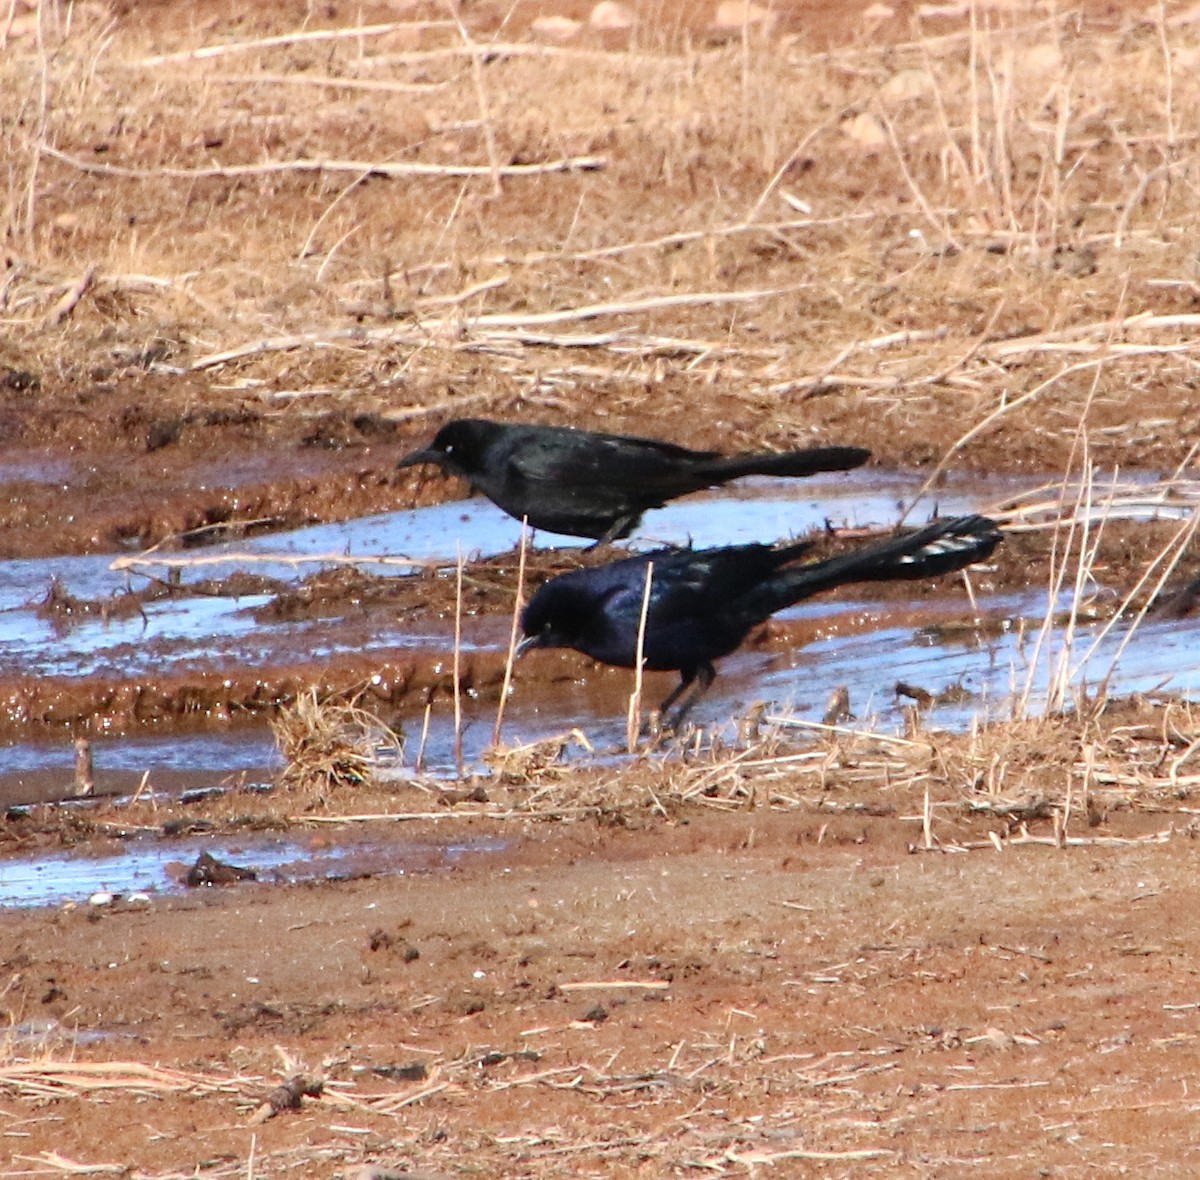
(254, 253)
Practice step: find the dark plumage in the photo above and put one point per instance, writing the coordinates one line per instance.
(704, 602)
(597, 485)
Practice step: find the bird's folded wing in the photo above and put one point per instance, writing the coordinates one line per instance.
(636, 464)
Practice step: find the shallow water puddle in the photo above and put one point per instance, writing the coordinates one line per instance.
(206, 631)
(157, 868)
(981, 675)
(195, 766)
(190, 632)
(42, 771)
(756, 509)
(47, 1036)
(992, 676)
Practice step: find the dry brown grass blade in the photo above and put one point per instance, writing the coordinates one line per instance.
(633, 716)
(650, 303)
(457, 662)
(630, 59)
(1108, 331)
(1058, 840)
(486, 120)
(1034, 510)
(327, 82)
(615, 985)
(60, 1163)
(754, 1159)
(514, 628)
(70, 299)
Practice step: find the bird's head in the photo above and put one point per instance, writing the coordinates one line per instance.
(556, 617)
(457, 448)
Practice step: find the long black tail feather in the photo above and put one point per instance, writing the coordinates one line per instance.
(939, 548)
(787, 463)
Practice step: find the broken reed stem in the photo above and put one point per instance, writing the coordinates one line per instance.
(506, 684)
(370, 167)
(142, 791)
(1060, 677)
(508, 326)
(70, 299)
(481, 97)
(458, 586)
(309, 35)
(1058, 572)
(633, 721)
(419, 764)
(170, 561)
(966, 579)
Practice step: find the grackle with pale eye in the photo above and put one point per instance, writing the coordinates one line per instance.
(587, 484)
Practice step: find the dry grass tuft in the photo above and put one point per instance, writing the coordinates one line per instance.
(536, 761)
(327, 744)
(1065, 779)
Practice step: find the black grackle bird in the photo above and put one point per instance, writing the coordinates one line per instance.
(703, 602)
(597, 485)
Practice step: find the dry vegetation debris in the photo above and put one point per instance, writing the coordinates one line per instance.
(431, 218)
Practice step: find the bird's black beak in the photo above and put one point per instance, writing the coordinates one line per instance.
(425, 455)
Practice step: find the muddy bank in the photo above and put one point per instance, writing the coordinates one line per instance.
(910, 1006)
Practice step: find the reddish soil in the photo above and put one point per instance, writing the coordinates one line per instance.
(931, 959)
(699, 993)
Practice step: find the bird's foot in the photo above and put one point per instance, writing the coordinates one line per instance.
(667, 729)
(655, 728)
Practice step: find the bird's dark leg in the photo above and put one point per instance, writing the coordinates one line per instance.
(686, 676)
(702, 676)
(615, 531)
